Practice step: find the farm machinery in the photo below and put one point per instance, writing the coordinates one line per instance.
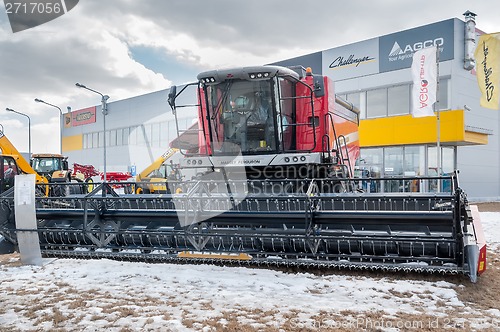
(86, 173)
(153, 179)
(273, 185)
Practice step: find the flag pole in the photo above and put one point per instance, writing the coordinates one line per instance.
(436, 108)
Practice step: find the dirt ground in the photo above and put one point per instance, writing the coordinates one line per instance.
(482, 296)
(488, 206)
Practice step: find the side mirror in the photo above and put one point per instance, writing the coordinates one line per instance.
(171, 97)
(319, 86)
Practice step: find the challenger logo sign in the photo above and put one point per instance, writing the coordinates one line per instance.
(352, 60)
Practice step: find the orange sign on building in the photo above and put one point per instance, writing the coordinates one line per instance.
(80, 117)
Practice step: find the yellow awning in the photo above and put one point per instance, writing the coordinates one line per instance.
(406, 130)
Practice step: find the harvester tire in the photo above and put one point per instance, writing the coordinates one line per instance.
(76, 188)
(60, 190)
(128, 188)
(42, 190)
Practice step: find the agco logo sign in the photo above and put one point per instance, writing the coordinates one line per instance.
(399, 53)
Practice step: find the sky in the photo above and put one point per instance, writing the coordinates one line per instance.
(125, 48)
(104, 295)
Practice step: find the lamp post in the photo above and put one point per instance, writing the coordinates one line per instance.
(60, 120)
(29, 128)
(104, 99)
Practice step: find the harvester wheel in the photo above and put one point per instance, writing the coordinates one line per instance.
(76, 187)
(60, 190)
(128, 188)
(42, 190)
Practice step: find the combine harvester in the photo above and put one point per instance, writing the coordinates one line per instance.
(274, 186)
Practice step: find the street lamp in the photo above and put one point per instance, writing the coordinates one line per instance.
(104, 99)
(29, 128)
(60, 120)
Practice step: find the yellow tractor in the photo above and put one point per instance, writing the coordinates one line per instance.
(154, 178)
(54, 167)
(14, 164)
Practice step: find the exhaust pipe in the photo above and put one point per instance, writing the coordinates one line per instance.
(469, 40)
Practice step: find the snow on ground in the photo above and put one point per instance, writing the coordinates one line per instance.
(491, 228)
(98, 295)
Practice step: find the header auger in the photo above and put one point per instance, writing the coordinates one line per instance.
(273, 185)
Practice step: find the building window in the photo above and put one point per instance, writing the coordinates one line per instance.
(148, 134)
(370, 165)
(119, 137)
(376, 103)
(442, 103)
(395, 100)
(141, 135)
(106, 133)
(447, 160)
(100, 136)
(95, 140)
(126, 134)
(414, 160)
(132, 138)
(358, 99)
(398, 100)
(112, 137)
(393, 166)
(413, 165)
(401, 161)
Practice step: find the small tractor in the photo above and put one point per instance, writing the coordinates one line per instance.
(54, 167)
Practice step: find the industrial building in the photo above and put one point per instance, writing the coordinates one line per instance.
(375, 76)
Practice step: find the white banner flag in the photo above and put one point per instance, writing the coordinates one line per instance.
(424, 74)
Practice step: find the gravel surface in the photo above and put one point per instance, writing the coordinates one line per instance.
(488, 206)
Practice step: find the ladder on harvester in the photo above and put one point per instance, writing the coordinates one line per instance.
(341, 151)
(345, 162)
(343, 154)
